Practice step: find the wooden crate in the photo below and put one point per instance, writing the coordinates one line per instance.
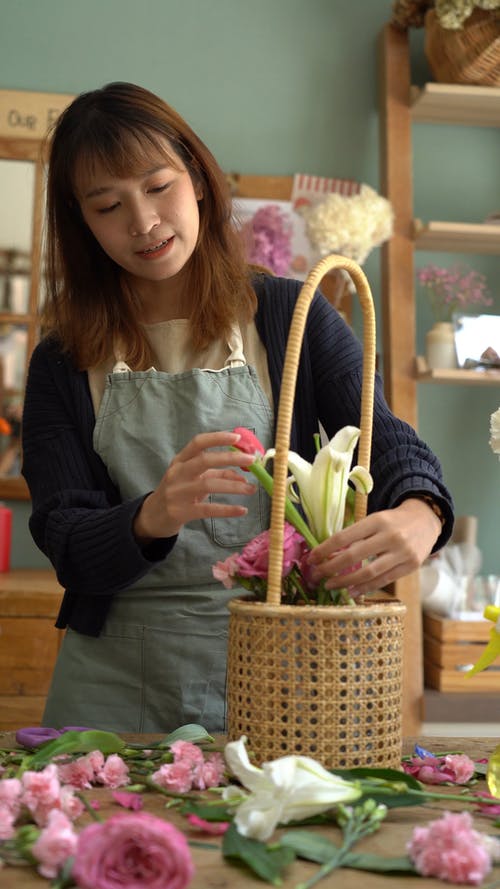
(29, 643)
(452, 645)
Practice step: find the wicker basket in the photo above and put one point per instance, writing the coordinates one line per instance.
(470, 54)
(325, 681)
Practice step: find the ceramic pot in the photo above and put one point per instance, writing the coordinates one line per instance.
(440, 346)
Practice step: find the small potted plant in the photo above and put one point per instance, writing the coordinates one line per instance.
(462, 37)
(449, 290)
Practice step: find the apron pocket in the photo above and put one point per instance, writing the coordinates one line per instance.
(235, 533)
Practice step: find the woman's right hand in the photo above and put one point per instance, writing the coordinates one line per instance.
(195, 472)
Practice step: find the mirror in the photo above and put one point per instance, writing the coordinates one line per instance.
(24, 120)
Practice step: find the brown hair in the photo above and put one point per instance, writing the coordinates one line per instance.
(88, 303)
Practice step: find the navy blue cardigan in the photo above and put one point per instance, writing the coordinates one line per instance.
(78, 519)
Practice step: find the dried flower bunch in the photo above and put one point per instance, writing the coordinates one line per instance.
(351, 225)
(451, 13)
(268, 239)
(453, 290)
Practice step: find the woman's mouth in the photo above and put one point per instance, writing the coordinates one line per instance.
(156, 250)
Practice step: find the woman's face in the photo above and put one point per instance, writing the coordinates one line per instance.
(147, 223)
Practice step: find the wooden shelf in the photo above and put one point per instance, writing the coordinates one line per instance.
(457, 237)
(456, 104)
(478, 377)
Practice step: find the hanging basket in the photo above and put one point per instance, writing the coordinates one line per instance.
(470, 54)
(323, 681)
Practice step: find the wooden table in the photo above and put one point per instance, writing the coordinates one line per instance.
(213, 873)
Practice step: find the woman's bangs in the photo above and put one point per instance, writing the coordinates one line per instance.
(122, 153)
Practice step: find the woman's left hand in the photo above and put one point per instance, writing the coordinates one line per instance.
(378, 549)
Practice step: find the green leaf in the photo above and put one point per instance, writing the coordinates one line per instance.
(215, 811)
(392, 775)
(77, 742)
(193, 733)
(268, 862)
(378, 863)
(310, 846)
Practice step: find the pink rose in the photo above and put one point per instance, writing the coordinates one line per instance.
(253, 561)
(137, 851)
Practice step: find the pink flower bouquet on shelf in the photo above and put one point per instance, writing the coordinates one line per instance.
(320, 502)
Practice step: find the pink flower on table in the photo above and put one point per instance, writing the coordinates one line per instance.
(70, 804)
(187, 752)
(485, 808)
(211, 773)
(114, 772)
(132, 801)
(456, 768)
(175, 776)
(190, 769)
(132, 850)
(215, 828)
(10, 795)
(55, 844)
(450, 849)
(41, 792)
(7, 822)
(81, 772)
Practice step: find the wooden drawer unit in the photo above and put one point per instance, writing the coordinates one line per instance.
(29, 642)
(452, 645)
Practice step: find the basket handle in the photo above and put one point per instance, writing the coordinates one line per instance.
(287, 396)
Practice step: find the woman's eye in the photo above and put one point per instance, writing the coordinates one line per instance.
(158, 188)
(107, 209)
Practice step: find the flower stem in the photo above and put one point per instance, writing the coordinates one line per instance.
(291, 513)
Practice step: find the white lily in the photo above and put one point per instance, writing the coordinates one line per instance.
(291, 788)
(323, 484)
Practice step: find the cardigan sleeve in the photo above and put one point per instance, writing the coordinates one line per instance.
(77, 518)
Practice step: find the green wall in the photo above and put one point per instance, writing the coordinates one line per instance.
(278, 87)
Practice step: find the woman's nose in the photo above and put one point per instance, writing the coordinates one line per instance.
(143, 218)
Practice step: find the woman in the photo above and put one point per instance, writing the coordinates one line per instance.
(159, 339)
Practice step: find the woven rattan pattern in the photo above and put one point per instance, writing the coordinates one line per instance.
(328, 681)
(469, 55)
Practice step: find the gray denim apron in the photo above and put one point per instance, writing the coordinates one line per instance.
(160, 661)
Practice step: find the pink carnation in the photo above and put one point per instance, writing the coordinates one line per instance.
(10, 795)
(450, 849)
(80, 772)
(132, 850)
(114, 772)
(210, 773)
(7, 821)
(175, 776)
(41, 792)
(56, 843)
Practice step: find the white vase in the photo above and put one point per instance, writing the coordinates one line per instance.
(440, 346)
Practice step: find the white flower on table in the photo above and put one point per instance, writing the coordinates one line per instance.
(291, 788)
